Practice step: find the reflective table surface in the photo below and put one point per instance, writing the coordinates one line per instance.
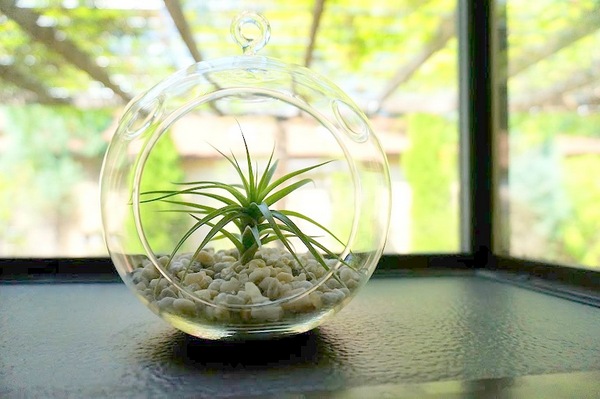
(452, 336)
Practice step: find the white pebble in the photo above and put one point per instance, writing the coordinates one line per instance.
(216, 284)
(285, 277)
(264, 284)
(167, 292)
(205, 258)
(313, 265)
(267, 313)
(193, 287)
(256, 263)
(204, 294)
(286, 269)
(300, 277)
(206, 282)
(319, 272)
(285, 289)
(323, 288)
(315, 299)
(184, 306)
(258, 275)
(284, 261)
(222, 314)
(347, 274)
(200, 279)
(273, 291)
(243, 295)
(232, 285)
(329, 298)
(194, 278)
(334, 296)
(185, 261)
(209, 313)
(352, 284)
(176, 264)
(252, 290)
(227, 273)
(162, 284)
(150, 272)
(306, 285)
(238, 267)
(243, 277)
(210, 273)
(231, 299)
(220, 298)
(301, 304)
(259, 299)
(136, 274)
(163, 260)
(165, 303)
(333, 283)
(218, 267)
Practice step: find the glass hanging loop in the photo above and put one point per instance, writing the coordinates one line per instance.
(251, 31)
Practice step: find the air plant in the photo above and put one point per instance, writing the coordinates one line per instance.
(248, 206)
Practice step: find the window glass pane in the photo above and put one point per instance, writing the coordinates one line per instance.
(67, 70)
(553, 141)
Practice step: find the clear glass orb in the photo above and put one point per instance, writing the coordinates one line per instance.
(245, 197)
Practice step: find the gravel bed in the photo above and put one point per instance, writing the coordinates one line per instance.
(254, 292)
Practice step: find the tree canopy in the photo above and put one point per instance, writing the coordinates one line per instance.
(98, 52)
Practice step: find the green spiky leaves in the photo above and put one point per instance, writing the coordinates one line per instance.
(248, 207)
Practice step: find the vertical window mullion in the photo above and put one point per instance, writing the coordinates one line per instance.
(477, 119)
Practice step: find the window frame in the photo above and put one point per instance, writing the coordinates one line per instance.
(482, 102)
(482, 92)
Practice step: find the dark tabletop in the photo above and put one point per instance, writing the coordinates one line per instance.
(444, 337)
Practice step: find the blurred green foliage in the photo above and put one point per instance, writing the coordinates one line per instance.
(46, 146)
(162, 229)
(44, 157)
(555, 196)
(538, 200)
(580, 232)
(343, 197)
(431, 168)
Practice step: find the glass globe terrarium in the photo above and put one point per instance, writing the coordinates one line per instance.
(281, 215)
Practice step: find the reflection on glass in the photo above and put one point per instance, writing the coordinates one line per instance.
(553, 131)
